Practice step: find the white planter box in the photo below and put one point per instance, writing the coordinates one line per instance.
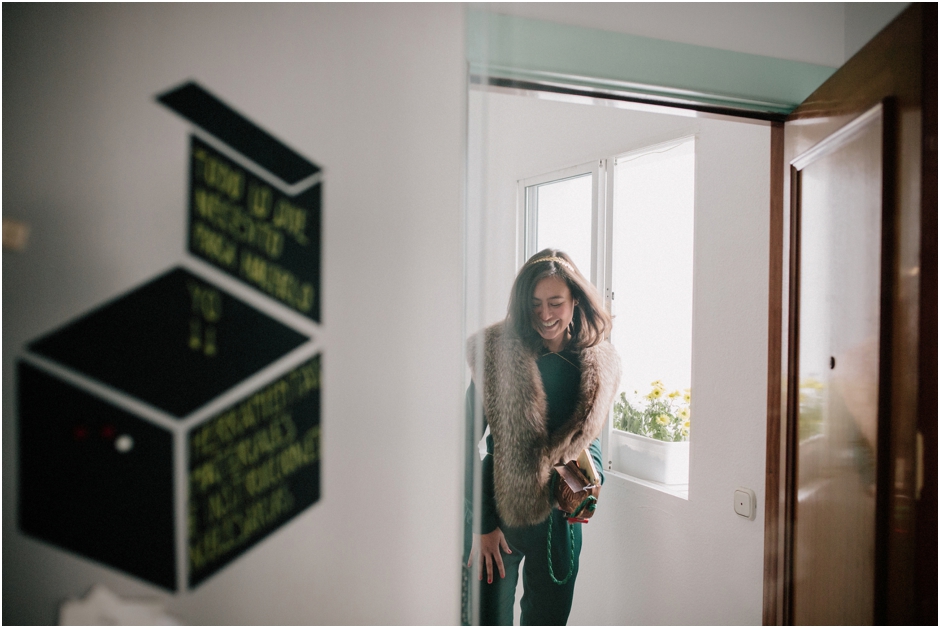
(650, 459)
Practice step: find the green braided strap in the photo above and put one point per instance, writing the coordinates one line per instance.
(551, 571)
(589, 503)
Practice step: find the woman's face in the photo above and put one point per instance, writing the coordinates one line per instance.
(552, 310)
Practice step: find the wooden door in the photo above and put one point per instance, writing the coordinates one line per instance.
(851, 490)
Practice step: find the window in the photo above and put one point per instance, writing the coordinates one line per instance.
(627, 221)
(560, 212)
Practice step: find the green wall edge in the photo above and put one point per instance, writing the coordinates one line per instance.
(506, 47)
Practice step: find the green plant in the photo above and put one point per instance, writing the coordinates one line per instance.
(658, 414)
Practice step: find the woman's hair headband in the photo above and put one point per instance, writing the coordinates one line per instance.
(557, 260)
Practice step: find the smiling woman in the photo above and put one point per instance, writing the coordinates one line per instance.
(547, 384)
(553, 308)
(550, 289)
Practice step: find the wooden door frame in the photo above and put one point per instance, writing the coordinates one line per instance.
(906, 591)
(775, 486)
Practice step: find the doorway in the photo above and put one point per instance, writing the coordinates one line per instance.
(649, 539)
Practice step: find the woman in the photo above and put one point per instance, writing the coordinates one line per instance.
(549, 380)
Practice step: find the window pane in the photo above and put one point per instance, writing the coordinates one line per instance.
(652, 268)
(564, 219)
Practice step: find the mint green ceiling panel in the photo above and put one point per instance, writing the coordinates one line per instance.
(533, 50)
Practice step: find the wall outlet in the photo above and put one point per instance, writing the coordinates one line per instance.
(745, 503)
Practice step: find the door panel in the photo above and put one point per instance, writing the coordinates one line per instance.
(838, 200)
(842, 538)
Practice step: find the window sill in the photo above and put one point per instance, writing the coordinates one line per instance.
(676, 490)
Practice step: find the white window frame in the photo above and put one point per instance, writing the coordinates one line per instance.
(602, 213)
(601, 234)
(609, 207)
(527, 212)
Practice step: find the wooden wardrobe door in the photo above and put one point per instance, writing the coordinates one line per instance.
(846, 468)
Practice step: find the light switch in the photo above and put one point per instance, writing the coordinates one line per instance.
(745, 502)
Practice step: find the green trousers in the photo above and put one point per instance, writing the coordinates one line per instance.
(544, 603)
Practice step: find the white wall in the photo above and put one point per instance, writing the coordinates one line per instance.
(650, 557)
(374, 94)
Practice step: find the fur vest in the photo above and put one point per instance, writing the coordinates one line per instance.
(516, 408)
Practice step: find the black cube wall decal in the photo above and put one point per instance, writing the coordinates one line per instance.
(175, 427)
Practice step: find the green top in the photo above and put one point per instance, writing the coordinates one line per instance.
(561, 378)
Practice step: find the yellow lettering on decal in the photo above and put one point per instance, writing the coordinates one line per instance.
(292, 220)
(242, 462)
(260, 198)
(218, 175)
(276, 281)
(213, 245)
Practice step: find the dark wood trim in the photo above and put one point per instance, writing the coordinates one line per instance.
(494, 81)
(792, 398)
(772, 484)
(889, 270)
(925, 578)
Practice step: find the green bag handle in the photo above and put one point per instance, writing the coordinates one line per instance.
(589, 503)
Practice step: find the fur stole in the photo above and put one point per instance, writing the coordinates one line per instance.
(516, 409)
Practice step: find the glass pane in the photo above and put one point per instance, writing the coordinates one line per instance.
(564, 220)
(651, 281)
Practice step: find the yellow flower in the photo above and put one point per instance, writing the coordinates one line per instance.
(684, 431)
(686, 424)
(656, 393)
(674, 394)
(658, 384)
(663, 419)
(684, 413)
(687, 397)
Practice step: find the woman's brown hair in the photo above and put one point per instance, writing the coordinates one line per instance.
(590, 324)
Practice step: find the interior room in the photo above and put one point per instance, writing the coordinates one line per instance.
(417, 130)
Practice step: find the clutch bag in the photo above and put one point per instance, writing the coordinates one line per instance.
(578, 482)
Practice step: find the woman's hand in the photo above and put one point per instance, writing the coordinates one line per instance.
(489, 546)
